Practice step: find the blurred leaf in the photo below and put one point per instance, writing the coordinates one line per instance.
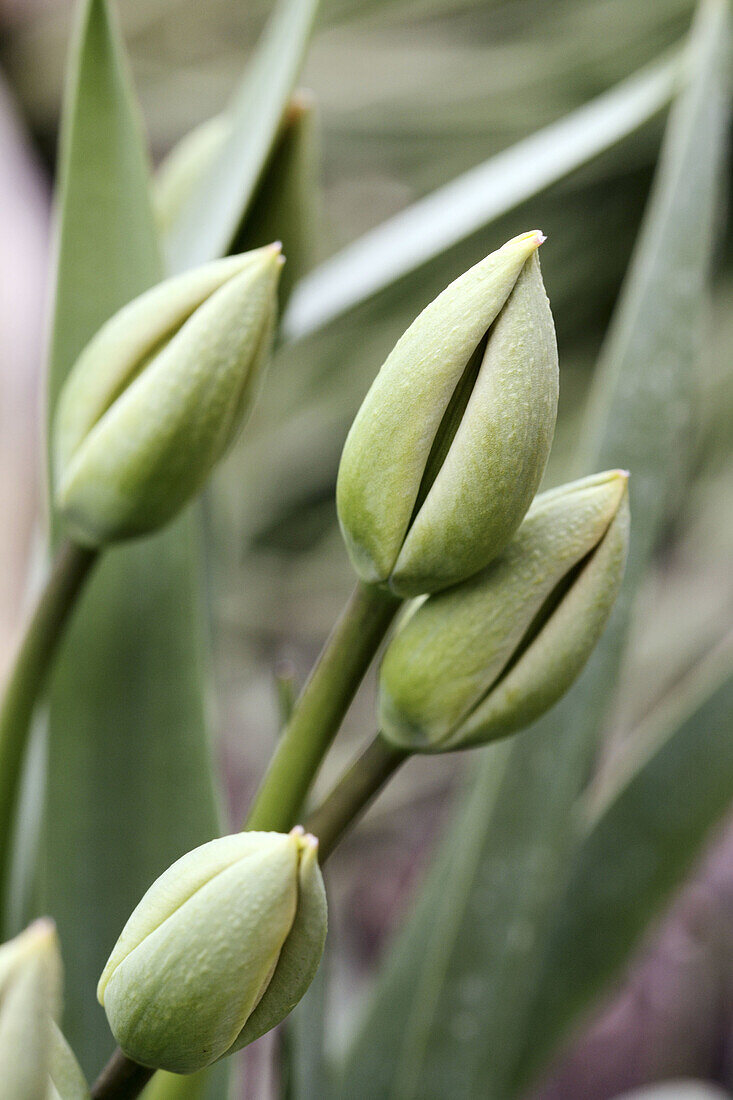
(302, 1062)
(107, 250)
(129, 775)
(640, 845)
(388, 1056)
(459, 208)
(209, 219)
(473, 1027)
(66, 1076)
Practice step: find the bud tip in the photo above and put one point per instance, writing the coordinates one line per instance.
(307, 840)
(42, 929)
(301, 101)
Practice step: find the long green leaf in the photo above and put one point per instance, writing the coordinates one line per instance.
(210, 217)
(461, 207)
(129, 776)
(474, 1025)
(388, 1055)
(639, 847)
(302, 1062)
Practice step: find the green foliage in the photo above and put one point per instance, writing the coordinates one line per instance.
(637, 848)
(436, 223)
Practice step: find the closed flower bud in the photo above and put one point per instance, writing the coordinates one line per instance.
(489, 656)
(220, 949)
(30, 994)
(285, 203)
(448, 449)
(184, 167)
(67, 1081)
(157, 397)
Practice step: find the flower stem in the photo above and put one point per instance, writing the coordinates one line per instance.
(352, 794)
(27, 678)
(121, 1079)
(320, 710)
(312, 725)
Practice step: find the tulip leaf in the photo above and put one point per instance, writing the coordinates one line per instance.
(214, 210)
(426, 229)
(302, 1062)
(129, 775)
(640, 844)
(483, 977)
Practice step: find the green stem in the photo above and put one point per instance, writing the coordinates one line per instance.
(121, 1079)
(27, 678)
(314, 721)
(352, 794)
(321, 707)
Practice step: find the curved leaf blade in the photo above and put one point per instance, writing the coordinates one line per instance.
(458, 209)
(639, 848)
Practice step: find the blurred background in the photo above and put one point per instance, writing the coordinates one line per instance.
(408, 94)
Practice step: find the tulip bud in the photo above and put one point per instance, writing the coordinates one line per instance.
(157, 397)
(220, 949)
(448, 449)
(30, 993)
(284, 203)
(185, 166)
(491, 655)
(67, 1081)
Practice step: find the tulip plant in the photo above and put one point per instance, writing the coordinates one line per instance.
(438, 473)
(485, 596)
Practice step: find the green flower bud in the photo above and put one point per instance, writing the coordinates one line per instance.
(285, 203)
(30, 999)
(448, 449)
(184, 167)
(220, 949)
(157, 397)
(491, 655)
(67, 1081)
